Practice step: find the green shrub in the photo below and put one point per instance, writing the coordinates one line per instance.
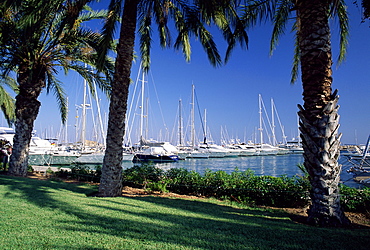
(238, 186)
(139, 175)
(29, 169)
(160, 186)
(81, 173)
(355, 200)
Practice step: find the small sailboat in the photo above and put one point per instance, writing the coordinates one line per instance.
(152, 151)
(192, 151)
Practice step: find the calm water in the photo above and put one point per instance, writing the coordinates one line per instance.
(260, 165)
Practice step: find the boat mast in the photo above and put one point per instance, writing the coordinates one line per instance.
(66, 126)
(205, 127)
(83, 130)
(142, 109)
(180, 123)
(274, 142)
(260, 113)
(192, 117)
(99, 115)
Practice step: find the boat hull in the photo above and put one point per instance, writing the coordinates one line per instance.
(155, 158)
(97, 158)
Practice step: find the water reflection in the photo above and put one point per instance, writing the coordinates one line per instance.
(261, 165)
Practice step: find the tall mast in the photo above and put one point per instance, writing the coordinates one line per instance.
(205, 126)
(146, 134)
(66, 126)
(99, 115)
(83, 131)
(260, 112)
(192, 117)
(180, 123)
(142, 108)
(274, 142)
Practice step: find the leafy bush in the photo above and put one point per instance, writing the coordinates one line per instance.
(243, 187)
(139, 175)
(160, 186)
(81, 173)
(355, 200)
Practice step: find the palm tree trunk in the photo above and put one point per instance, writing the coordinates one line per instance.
(111, 179)
(27, 108)
(319, 117)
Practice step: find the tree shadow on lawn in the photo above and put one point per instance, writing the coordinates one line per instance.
(180, 223)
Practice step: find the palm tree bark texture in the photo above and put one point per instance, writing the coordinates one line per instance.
(319, 114)
(111, 179)
(30, 86)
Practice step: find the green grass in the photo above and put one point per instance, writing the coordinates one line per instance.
(38, 214)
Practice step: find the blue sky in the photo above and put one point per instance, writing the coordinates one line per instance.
(230, 93)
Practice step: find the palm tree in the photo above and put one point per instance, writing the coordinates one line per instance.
(43, 38)
(188, 18)
(319, 119)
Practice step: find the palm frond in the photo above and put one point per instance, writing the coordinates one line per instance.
(183, 39)
(193, 25)
(114, 13)
(92, 15)
(238, 35)
(161, 12)
(296, 57)
(258, 11)
(209, 46)
(7, 102)
(56, 87)
(366, 8)
(145, 30)
(341, 13)
(280, 21)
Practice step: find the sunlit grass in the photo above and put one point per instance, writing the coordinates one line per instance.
(52, 215)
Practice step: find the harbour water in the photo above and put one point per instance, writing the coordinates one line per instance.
(274, 165)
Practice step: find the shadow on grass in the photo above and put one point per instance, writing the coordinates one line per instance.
(158, 222)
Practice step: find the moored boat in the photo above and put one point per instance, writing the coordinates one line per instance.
(97, 158)
(155, 154)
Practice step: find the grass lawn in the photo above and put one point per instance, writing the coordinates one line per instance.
(38, 214)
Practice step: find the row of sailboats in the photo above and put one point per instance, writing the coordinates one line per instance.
(45, 153)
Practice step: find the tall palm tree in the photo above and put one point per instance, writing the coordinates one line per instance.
(319, 119)
(188, 18)
(42, 38)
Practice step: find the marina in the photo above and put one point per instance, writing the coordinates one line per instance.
(271, 165)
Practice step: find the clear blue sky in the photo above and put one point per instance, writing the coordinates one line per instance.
(230, 93)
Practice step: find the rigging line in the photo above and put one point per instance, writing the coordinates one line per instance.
(159, 103)
(268, 136)
(268, 120)
(102, 132)
(201, 119)
(130, 113)
(92, 115)
(174, 129)
(280, 124)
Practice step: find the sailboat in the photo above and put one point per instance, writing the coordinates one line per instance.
(264, 148)
(152, 151)
(214, 150)
(192, 151)
(41, 151)
(93, 155)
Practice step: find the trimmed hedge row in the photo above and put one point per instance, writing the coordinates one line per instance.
(243, 187)
(240, 186)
